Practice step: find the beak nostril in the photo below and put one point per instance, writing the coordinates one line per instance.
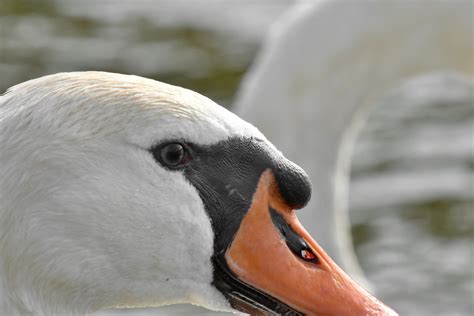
(293, 183)
(293, 240)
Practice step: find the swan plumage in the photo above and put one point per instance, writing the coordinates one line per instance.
(57, 150)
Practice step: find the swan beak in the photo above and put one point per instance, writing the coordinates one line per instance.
(273, 253)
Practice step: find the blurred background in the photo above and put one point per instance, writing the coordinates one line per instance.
(412, 178)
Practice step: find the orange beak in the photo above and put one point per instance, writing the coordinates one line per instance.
(309, 282)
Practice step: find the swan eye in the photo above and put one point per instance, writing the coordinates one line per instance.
(173, 155)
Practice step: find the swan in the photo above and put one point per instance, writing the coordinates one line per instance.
(121, 191)
(323, 66)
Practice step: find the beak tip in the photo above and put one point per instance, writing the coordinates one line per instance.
(391, 312)
(383, 310)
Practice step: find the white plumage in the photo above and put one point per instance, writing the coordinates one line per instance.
(83, 203)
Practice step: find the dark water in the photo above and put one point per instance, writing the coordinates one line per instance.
(412, 177)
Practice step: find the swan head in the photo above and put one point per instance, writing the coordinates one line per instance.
(120, 191)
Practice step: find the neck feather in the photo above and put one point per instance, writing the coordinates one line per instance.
(323, 76)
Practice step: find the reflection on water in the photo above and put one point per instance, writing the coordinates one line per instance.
(412, 179)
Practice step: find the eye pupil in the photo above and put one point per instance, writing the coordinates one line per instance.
(173, 154)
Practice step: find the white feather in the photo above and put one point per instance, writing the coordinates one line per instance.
(88, 219)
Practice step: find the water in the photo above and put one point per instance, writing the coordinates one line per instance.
(412, 174)
(412, 197)
(205, 47)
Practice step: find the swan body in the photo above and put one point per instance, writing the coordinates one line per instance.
(121, 191)
(323, 66)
